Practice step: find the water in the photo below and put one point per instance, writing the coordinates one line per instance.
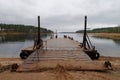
(10, 46)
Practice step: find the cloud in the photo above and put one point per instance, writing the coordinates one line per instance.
(64, 15)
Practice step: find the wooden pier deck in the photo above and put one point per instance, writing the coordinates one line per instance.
(61, 51)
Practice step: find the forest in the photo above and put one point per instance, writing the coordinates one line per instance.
(13, 28)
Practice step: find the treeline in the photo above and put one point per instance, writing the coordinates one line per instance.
(102, 30)
(21, 28)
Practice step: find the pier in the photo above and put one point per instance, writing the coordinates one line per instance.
(65, 52)
(62, 51)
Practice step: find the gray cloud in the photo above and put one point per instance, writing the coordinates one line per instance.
(64, 15)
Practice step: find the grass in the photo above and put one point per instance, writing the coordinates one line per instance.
(108, 35)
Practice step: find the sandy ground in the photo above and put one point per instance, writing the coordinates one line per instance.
(7, 61)
(60, 73)
(66, 75)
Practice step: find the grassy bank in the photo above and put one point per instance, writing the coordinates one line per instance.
(108, 35)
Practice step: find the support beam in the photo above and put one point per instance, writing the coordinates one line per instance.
(85, 33)
(39, 35)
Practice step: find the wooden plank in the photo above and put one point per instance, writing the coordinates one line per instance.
(61, 43)
(67, 64)
(61, 51)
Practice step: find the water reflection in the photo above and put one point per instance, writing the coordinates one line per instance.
(19, 38)
(11, 45)
(107, 47)
(117, 42)
(13, 38)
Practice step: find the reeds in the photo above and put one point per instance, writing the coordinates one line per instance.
(108, 35)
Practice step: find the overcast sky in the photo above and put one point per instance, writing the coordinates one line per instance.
(63, 15)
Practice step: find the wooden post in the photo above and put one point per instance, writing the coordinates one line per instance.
(85, 33)
(39, 35)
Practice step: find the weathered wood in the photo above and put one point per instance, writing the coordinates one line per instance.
(28, 49)
(57, 51)
(67, 64)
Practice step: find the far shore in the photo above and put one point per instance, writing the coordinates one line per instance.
(100, 35)
(107, 35)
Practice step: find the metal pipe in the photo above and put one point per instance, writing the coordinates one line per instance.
(39, 35)
(85, 33)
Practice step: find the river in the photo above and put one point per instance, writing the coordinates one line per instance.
(11, 45)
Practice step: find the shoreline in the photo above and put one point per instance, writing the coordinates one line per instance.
(58, 72)
(115, 36)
